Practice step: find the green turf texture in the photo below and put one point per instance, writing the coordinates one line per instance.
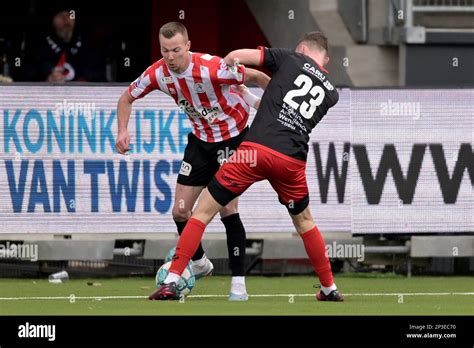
(347, 283)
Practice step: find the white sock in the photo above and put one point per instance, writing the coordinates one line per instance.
(172, 278)
(238, 280)
(250, 98)
(237, 285)
(328, 290)
(201, 262)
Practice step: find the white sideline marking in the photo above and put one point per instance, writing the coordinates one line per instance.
(257, 295)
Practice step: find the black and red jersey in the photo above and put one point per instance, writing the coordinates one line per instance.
(296, 99)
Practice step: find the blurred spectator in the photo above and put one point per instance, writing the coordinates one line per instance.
(63, 56)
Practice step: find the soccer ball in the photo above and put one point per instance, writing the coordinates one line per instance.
(185, 283)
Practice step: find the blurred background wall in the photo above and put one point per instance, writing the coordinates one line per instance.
(372, 42)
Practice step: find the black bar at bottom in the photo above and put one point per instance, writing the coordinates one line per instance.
(135, 331)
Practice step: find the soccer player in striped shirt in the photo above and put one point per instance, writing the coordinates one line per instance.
(296, 99)
(206, 89)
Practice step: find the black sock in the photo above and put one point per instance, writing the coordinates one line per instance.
(200, 251)
(235, 244)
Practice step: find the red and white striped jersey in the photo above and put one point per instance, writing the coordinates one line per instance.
(204, 92)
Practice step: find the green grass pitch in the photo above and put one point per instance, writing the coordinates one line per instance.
(289, 295)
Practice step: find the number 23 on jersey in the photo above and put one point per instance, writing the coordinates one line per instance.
(305, 84)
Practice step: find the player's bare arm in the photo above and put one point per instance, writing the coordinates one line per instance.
(255, 77)
(124, 108)
(244, 56)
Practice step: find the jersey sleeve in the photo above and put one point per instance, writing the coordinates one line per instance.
(145, 83)
(272, 58)
(332, 93)
(230, 75)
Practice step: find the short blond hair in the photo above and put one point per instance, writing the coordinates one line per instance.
(172, 28)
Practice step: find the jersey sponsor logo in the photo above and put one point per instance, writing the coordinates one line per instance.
(314, 71)
(185, 168)
(209, 114)
(188, 108)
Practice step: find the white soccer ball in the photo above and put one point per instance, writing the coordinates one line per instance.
(186, 282)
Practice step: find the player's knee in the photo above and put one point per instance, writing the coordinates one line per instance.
(228, 210)
(303, 220)
(180, 212)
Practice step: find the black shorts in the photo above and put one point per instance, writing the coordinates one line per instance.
(202, 160)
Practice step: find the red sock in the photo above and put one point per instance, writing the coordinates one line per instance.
(187, 245)
(316, 250)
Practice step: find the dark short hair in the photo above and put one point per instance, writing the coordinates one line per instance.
(315, 39)
(172, 28)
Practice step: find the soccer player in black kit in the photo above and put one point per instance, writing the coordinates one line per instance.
(296, 99)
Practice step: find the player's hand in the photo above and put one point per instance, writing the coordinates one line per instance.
(235, 63)
(56, 76)
(123, 142)
(242, 88)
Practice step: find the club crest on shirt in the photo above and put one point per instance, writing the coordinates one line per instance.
(199, 88)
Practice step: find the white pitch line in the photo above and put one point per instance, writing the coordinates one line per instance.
(72, 297)
(256, 295)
